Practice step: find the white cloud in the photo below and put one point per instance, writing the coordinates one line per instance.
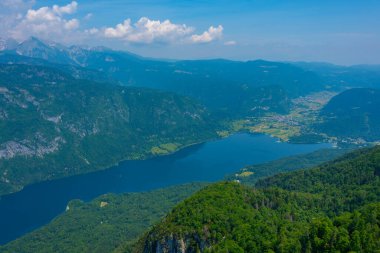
(48, 23)
(148, 31)
(92, 31)
(42, 14)
(120, 31)
(213, 33)
(67, 9)
(71, 24)
(230, 43)
(19, 20)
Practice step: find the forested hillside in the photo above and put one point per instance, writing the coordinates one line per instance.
(53, 125)
(332, 208)
(352, 114)
(108, 223)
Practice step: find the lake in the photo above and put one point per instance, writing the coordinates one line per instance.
(37, 204)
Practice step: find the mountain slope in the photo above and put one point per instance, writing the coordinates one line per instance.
(72, 70)
(296, 79)
(365, 76)
(53, 125)
(235, 89)
(131, 69)
(345, 184)
(352, 114)
(333, 208)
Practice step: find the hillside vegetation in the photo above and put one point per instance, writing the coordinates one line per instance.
(331, 208)
(104, 224)
(53, 125)
(352, 114)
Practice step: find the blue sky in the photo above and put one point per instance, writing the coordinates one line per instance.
(342, 32)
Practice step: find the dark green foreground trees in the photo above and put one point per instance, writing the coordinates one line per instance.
(332, 208)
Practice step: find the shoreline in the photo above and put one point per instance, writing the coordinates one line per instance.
(149, 156)
(144, 157)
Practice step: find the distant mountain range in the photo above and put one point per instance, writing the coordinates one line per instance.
(206, 81)
(218, 84)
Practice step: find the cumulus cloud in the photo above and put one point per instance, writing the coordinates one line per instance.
(213, 33)
(67, 9)
(92, 31)
(149, 31)
(48, 23)
(71, 24)
(120, 31)
(58, 23)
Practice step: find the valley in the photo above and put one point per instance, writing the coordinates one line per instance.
(302, 114)
(107, 151)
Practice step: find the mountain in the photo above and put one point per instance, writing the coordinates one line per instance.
(54, 125)
(234, 89)
(37, 49)
(344, 77)
(331, 208)
(7, 44)
(53, 52)
(105, 224)
(298, 78)
(71, 70)
(352, 114)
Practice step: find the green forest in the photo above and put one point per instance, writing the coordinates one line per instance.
(330, 208)
(108, 223)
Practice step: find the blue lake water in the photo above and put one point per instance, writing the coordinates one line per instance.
(37, 204)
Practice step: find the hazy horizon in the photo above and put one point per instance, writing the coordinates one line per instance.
(342, 32)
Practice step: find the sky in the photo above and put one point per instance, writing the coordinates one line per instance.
(336, 31)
